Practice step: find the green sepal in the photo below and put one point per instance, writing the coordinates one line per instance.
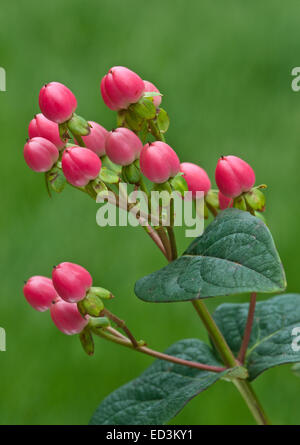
(78, 125)
(86, 340)
(108, 176)
(144, 109)
(240, 203)
(98, 186)
(151, 94)
(212, 198)
(106, 162)
(164, 186)
(133, 120)
(100, 292)
(98, 323)
(255, 199)
(81, 308)
(56, 179)
(179, 184)
(163, 120)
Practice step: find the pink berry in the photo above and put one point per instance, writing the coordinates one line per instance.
(95, 141)
(123, 146)
(196, 178)
(150, 88)
(57, 102)
(224, 202)
(41, 126)
(121, 87)
(67, 317)
(39, 292)
(71, 281)
(159, 162)
(80, 165)
(234, 176)
(40, 154)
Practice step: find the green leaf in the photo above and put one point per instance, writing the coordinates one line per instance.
(161, 391)
(271, 337)
(235, 254)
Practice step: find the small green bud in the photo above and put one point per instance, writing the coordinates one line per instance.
(240, 203)
(87, 341)
(100, 292)
(255, 199)
(78, 125)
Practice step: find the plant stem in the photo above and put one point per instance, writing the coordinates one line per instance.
(156, 238)
(243, 386)
(171, 231)
(172, 242)
(166, 243)
(122, 325)
(248, 328)
(215, 334)
(252, 401)
(159, 355)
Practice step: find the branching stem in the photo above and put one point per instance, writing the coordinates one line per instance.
(120, 340)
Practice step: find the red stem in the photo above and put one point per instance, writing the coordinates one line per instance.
(248, 328)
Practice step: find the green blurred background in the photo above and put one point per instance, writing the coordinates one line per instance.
(225, 71)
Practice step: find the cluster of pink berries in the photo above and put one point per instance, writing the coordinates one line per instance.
(69, 295)
(122, 89)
